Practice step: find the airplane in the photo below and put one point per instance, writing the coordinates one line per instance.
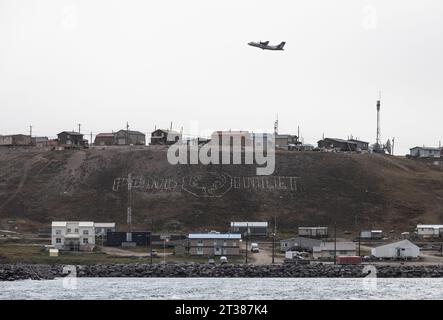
(265, 45)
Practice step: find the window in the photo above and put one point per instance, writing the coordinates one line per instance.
(200, 242)
(85, 241)
(225, 243)
(85, 232)
(58, 232)
(69, 230)
(76, 230)
(199, 250)
(58, 240)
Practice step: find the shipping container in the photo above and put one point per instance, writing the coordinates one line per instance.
(348, 260)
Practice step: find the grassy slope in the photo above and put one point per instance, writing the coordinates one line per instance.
(357, 191)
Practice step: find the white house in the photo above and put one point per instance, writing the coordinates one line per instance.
(315, 232)
(330, 249)
(401, 249)
(425, 152)
(430, 230)
(253, 228)
(73, 235)
(371, 234)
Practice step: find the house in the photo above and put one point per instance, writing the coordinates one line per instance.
(425, 152)
(327, 250)
(165, 137)
(231, 138)
(71, 139)
(396, 250)
(129, 137)
(283, 141)
(73, 235)
(104, 139)
(299, 244)
(371, 234)
(214, 244)
(102, 228)
(361, 145)
(250, 228)
(40, 142)
(337, 144)
(430, 230)
(15, 140)
(313, 232)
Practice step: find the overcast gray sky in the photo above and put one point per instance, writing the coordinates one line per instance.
(102, 63)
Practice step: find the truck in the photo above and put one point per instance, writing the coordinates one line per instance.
(255, 248)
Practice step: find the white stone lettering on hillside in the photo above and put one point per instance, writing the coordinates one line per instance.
(208, 184)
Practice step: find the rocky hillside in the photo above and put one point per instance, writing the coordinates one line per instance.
(311, 188)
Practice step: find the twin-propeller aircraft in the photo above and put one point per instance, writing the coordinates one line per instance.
(265, 45)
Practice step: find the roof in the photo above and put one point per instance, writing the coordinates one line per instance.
(106, 134)
(430, 226)
(86, 224)
(249, 224)
(104, 224)
(356, 140)
(403, 243)
(131, 132)
(427, 148)
(312, 228)
(329, 246)
(214, 236)
(58, 224)
(72, 133)
(166, 131)
(284, 136)
(338, 140)
(80, 223)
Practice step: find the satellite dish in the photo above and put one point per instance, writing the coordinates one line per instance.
(388, 146)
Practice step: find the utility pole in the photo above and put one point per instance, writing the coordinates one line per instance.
(79, 127)
(247, 232)
(359, 242)
(30, 131)
(150, 239)
(90, 141)
(273, 240)
(335, 242)
(127, 133)
(129, 211)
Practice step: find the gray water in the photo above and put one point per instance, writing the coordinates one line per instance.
(224, 288)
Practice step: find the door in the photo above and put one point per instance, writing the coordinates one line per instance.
(217, 251)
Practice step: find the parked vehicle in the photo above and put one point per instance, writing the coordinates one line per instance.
(211, 261)
(154, 253)
(223, 260)
(255, 248)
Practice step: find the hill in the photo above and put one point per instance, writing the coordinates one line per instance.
(307, 188)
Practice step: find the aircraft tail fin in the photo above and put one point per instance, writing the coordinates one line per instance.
(281, 45)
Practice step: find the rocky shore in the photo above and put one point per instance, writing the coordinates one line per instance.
(46, 272)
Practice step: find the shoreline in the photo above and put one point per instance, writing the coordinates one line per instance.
(12, 272)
